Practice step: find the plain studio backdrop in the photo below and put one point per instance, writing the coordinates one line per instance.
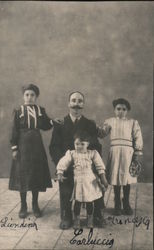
(103, 49)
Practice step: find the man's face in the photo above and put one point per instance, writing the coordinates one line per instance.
(76, 103)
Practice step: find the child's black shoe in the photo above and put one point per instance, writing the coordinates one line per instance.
(127, 210)
(36, 210)
(65, 224)
(102, 221)
(23, 211)
(76, 224)
(117, 212)
(117, 209)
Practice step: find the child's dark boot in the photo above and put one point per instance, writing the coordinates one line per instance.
(117, 208)
(102, 221)
(127, 210)
(23, 209)
(36, 210)
(76, 224)
(35, 207)
(90, 221)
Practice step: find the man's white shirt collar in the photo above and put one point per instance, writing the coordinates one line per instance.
(73, 118)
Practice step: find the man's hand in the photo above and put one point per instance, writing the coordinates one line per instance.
(57, 120)
(15, 155)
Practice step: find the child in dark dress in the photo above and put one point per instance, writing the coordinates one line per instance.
(30, 171)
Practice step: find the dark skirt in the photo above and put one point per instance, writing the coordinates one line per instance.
(30, 171)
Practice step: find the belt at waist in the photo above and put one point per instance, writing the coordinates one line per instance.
(29, 129)
(121, 142)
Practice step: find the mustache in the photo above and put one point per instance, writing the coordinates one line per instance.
(76, 107)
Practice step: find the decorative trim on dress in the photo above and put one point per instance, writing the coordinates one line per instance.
(31, 112)
(22, 111)
(39, 111)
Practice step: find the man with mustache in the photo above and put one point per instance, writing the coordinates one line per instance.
(62, 140)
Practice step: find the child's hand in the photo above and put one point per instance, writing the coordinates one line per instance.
(137, 158)
(55, 177)
(15, 155)
(60, 177)
(104, 180)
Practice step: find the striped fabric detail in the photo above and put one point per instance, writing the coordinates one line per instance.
(121, 142)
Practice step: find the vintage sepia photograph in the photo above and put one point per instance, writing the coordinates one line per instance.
(76, 125)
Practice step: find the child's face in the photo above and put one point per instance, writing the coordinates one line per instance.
(81, 146)
(120, 110)
(29, 97)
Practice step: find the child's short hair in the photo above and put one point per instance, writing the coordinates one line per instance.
(121, 101)
(82, 135)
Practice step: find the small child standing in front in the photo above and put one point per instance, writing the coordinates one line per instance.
(86, 188)
(30, 171)
(126, 144)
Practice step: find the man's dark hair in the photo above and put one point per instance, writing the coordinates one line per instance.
(74, 93)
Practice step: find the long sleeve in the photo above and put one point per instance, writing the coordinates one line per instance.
(137, 138)
(104, 130)
(64, 162)
(98, 163)
(46, 123)
(93, 131)
(15, 131)
(56, 146)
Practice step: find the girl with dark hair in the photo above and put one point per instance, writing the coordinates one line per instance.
(126, 144)
(30, 171)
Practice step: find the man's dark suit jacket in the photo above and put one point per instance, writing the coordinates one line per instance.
(62, 137)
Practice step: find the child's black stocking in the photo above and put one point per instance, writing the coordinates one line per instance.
(117, 190)
(35, 197)
(77, 208)
(23, 198)
(89, 208)
(126, 206)
(117, 194)
(35, 206)
(126, 191)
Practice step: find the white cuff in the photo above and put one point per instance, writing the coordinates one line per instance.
(51, 122)
(14, 147)
(138, 152)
